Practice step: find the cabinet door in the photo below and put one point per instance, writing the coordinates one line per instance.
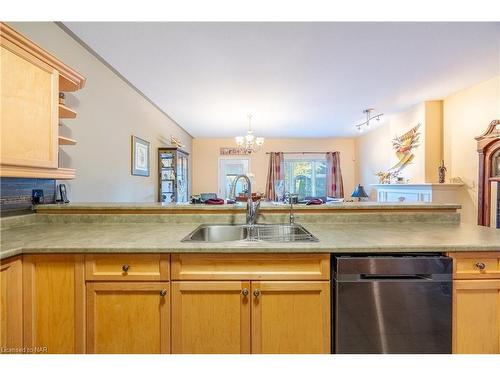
(128, 317)
(290, 317)
(29, 113)
(11, 309)
(476, 316)
(211, 317)
(54, 303)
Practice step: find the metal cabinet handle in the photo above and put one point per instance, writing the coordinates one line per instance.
(125, 267)
(256, 292)
(163, 292)
(480, 265)
(244, 292)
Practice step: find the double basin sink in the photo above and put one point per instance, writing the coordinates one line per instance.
(257, 232)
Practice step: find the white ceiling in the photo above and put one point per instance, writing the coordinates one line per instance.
(297, 79)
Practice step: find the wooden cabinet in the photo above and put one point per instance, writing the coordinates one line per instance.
(476, 302)
(54, 303)
(128, 317)
(476, 317)
(31, 80)
(75, 303)
(211, 317)
(29, 99)
(11, 308)
(127, 267)
(250, 266)
(290, 317)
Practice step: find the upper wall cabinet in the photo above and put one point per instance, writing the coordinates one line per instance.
(31, 80)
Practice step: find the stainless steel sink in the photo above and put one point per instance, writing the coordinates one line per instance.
(258, 232)
(217, 233)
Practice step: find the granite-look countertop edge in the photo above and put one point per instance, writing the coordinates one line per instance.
(241, 206)
(152, 238)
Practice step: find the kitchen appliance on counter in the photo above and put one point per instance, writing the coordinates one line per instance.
(391, 304)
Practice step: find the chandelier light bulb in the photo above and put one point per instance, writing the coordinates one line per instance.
(259, 141)
(240, 141)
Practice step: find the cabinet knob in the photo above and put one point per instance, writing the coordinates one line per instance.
(244, 292)
(481, 266)
(256, 292)
(125, 267)
(163, 292)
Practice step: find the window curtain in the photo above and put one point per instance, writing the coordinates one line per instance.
(334, 183)
(276, 171)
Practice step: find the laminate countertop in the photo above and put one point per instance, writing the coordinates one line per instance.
(269, 206)
(166, 238)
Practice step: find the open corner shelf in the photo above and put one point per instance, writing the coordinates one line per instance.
(65, 112)
(66, 141)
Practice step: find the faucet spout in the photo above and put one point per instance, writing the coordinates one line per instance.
(252, 207)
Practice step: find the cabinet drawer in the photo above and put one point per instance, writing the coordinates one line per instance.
(125, 267)
(476, 266)
(250, 266)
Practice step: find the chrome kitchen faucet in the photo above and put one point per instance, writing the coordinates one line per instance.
(252, 207)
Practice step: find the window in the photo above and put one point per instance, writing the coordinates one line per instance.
(306, 177)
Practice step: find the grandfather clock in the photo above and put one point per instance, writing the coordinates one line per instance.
(488, 147)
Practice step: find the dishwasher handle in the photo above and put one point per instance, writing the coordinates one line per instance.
(394, 277)
(416, 277)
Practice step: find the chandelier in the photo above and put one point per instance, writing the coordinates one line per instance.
(249, 143)
(369, 117)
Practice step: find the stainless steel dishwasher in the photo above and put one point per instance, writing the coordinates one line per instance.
(391, 304)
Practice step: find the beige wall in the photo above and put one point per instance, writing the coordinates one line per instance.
(109, 112)
(206, 159)
(467, 113)
(399, 124)
(373, 154)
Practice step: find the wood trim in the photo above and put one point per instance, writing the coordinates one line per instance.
(80, 317)
(28, 301)
(34, 172)
(291, 286)
(179, 286)
(474, 254)
(14, 318)
(165, 308)
(70, 80)
(162, 260)
(194, 266)
(476, 284)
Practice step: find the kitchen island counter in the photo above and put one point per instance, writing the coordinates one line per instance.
(166, 238)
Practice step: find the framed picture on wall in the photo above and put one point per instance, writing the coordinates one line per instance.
(140, 157)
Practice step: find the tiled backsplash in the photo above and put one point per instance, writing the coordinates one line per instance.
(15, 193)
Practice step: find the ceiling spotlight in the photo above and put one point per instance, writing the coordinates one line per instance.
(369, 117)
